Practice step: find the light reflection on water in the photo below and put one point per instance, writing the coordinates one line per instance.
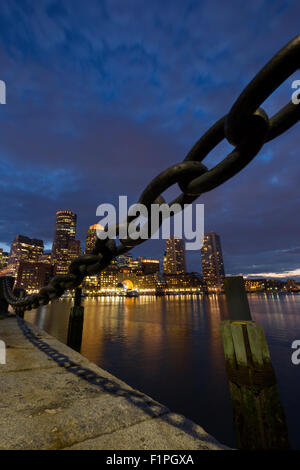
(170, 348)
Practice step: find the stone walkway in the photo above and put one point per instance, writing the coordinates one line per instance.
(44, 405)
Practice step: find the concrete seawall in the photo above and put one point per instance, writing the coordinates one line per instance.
(53, 398)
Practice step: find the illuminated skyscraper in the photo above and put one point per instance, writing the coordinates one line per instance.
(174, 262)
(65, 247)
(24, 249)
(91, 237)
(212, 262)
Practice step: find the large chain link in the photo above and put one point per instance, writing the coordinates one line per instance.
(246, 126)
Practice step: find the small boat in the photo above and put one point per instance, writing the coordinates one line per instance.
(132, 293)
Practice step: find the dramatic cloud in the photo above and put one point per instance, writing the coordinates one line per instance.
(103, 95)
(283, 275)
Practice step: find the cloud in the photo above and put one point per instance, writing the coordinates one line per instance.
(283, 275)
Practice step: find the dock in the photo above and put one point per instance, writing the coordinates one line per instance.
(52, 398)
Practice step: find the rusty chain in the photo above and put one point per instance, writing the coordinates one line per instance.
(246, 126)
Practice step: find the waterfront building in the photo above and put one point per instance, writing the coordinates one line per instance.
(32, 276)
(65, 247)
(110, 281)
(175, 256)
(90, 240)
(270, 285)
(149, 265)
(161, 285)
(183, 283)
(23, 249)
(212, 262)
(292, 285)
(255, 285)
(91, 237)
(274, 285)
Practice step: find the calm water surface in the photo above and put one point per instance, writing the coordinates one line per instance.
(171, 349)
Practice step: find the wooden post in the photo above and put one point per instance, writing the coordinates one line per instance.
(236, 298)
(75, 326)
(257, 411)
(21, 293)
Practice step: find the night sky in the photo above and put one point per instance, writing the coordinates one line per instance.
(103, 95)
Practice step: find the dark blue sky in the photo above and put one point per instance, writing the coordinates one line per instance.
(103, 95)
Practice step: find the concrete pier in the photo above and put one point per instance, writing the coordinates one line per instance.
(51, 397)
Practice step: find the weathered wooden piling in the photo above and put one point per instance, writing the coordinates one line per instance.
(75, 326)
(21, 293)
(258, 415)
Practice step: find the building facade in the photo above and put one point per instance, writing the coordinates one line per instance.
(24, 249)
(32, 276)
(65, 247)
(174, 261)
(90, 240)
(149, 265)
(183, 283)
(91, 237)
(255, 285)
(212, 262)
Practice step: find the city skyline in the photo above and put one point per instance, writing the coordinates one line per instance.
(95, 108)
(70, 248)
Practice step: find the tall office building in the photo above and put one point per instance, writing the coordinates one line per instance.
(24, 249)
(174, 262)
(65, 247)
(212, 262)
(91, 237)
